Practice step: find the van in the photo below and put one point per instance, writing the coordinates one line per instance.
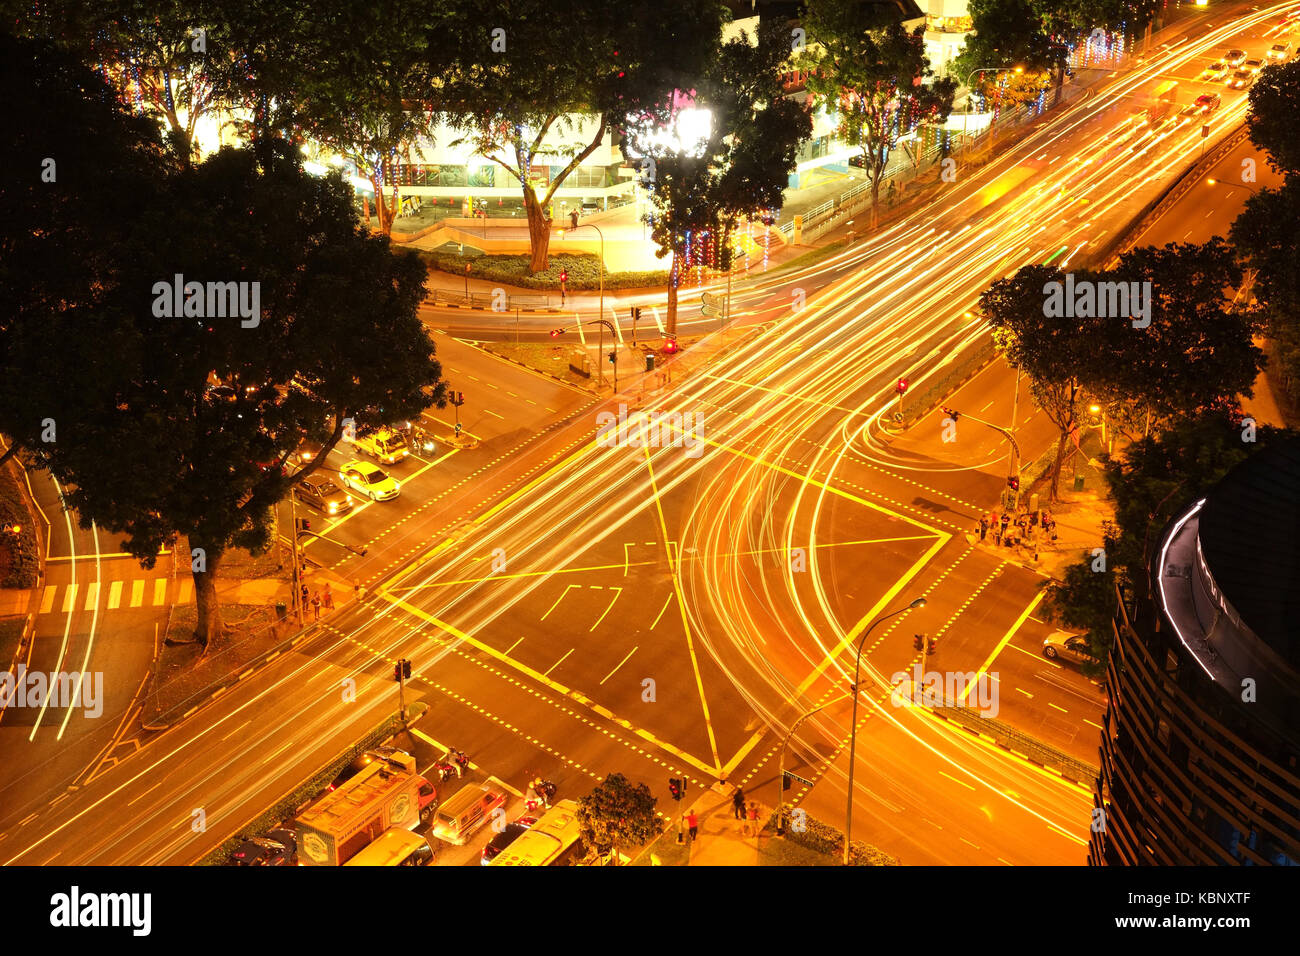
(467, 810)
(590, 206)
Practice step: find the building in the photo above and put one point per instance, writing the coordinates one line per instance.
(1200, 753)
(947, 25)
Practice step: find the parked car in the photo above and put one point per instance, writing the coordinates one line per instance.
(500, 841)
(307, 452)
(288, 839)
(369, 480)
(261, 851)
(1062, 645)
(323, 495)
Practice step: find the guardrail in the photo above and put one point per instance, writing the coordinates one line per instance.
(494, 302)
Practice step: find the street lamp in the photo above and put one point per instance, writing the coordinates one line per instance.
(1215, 182)
(974, 73)
(780, 766)
(853, 728)
(602, 294)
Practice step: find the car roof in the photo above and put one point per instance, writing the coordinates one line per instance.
(357, 464)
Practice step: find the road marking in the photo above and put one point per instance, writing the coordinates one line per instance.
(1006, 639)
(47, 599)
(159, 591)
(137, 593)
(114, 595)
(1025, 692)
(69, 598)
(514, 645)
(494, 414)
(667, 601)
(618, 665)
(1093, 723)
(617, 592)
(558, 663)
(955, 780)
(92, 595)
(1061, 709)
(567, 589)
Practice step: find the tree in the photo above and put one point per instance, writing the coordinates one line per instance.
(1148, 483)
(616, 815)
(150, 449)
(75, 168)
(1058, 352)
(738, 166)
(544, 82)
(1274, 101)
(1267, 234)
(1198, 350)
(878, 78)
(155, 53)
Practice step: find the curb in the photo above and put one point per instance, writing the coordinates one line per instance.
(1001, 746)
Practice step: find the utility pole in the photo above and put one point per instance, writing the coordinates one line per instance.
(297, 568)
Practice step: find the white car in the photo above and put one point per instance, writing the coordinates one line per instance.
(1279, 52)
(1064, 645)
(1235, 58)
(369, 480)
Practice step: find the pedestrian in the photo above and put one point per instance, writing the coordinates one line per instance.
(305, 595)
(328, 596)
(573, 218)
(738, 803)
(984, 527)
(692, 824)
(752, 815)
(892, 193)
(315, 605)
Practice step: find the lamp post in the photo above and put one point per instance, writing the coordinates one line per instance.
(601, 363)
(1215, 182)
(853, 729)
(780, 766)
(974, 73)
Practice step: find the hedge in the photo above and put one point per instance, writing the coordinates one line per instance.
(583, 269)
(24, 557)
(823, 838)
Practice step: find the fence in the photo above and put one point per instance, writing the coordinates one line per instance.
(503, 302)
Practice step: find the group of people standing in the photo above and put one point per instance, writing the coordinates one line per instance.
(1025, 527)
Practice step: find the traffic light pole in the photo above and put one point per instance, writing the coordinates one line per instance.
(297, 569)
(780, 766)
(1015, 449)
(853, 727)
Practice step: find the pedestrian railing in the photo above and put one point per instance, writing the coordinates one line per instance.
(495, 302)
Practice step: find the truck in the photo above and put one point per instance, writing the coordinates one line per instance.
(1162, 102)
(384, 794)
(388, 446)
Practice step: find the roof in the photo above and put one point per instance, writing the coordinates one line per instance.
(1250, 539)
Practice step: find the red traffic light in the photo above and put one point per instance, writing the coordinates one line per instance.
(1013, 483)
(564, 275)
(901, 386)
(556, 333)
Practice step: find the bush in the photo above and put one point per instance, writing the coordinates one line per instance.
(583, 269)
(822, 838)
(22, 561)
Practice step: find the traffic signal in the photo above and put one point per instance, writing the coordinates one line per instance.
(1013, 483)
(918, 642)
(556, 333)
(613, 358)
(901, 386)
(675, 788)
(304, 524)
(564, 276)
(934, 643)
(402, 670)
(458, 429)
(636, 314)
(786, 782)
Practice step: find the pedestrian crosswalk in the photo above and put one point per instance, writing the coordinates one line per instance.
(114, 595)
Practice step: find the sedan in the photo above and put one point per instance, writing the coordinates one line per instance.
(1280, 52)
(1215, 72)
(511, 833)
(1241, 79)
(370, 480)
(1252, 66)
(259, 851)
(1235, 57)
(323, 495)
(1207, 102)
(1071, 647)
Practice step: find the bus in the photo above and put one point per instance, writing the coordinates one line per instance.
(554, 840)
(395, 847)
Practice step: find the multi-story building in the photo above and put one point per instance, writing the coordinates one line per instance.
(1200, 752)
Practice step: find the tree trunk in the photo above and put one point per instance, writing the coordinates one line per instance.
(670, 323)
(539, 230)
(208, 624)
(1053, 492)
(383, 214)
(875, 202)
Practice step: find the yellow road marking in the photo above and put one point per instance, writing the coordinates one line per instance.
(1006, 638)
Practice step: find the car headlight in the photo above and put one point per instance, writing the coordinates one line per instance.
(397, 486)
(334, 506)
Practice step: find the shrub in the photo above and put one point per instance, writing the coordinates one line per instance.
(823, 838)
(583, 269)
(24, 563)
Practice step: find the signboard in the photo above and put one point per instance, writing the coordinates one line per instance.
(711, 305)
(803, 780)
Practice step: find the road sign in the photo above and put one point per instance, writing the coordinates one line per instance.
(803, 780)
(711, 305)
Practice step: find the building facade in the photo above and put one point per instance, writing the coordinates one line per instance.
(1200, 751)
